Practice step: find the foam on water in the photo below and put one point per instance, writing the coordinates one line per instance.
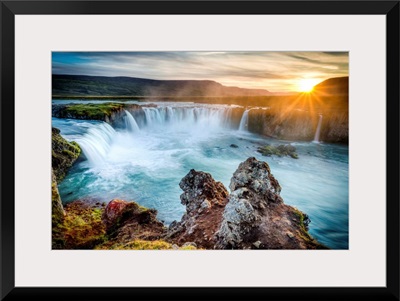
(147, 165)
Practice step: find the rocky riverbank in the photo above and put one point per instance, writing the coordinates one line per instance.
(252, 216)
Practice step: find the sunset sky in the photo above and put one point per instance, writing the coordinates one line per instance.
(273, 71)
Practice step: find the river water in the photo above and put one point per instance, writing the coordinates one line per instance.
(145, 160)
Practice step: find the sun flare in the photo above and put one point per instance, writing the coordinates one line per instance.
(306, 84)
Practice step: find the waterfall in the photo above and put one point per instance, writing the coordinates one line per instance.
(243, 126)
(318, 131)
(130, 122)
(187, 117)
(96, 142)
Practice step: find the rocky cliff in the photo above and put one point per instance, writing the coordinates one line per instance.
(64, 154)
(110, 112)
(300, 124)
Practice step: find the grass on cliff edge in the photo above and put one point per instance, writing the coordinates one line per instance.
(94, 111)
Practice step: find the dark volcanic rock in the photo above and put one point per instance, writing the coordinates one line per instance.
(64, 154)
(256, 217)
(128, 221)
(205, 200)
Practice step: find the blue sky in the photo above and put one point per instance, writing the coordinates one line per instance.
(274, 71)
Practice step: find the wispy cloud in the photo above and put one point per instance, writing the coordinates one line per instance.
(274, 71)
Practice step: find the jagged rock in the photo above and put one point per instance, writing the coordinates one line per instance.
(128, 221)
(113, 211)
(64, 154)
(256, 217)
(256, 177)
(205, 200)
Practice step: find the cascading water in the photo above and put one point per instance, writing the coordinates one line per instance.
(130, 122)
(318, 131)
(96, 142)
(243, 126)
(148, 165)
(187, 117)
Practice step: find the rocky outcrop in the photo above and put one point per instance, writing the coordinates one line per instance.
(64, 154)
(112, 113)
(255, 216)
(252, 216)
(281, 150)
(57, 210)
(205, 200)
(128, 221)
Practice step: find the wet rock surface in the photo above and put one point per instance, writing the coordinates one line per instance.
(64, 154)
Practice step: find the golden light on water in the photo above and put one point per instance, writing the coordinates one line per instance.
(306, 84)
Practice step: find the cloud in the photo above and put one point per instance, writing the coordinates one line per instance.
(275, 71)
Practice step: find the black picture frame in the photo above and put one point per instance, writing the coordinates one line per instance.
(9, 9)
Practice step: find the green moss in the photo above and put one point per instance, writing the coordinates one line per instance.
(93, 111)
(303, 221)
(280, 151)
(142, 245)
(188, 248)
(64, 154)
(138, 245)
(82, 228)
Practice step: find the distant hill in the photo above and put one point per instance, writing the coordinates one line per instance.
(82, 85)
(333, 86)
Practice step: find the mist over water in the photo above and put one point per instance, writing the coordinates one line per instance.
(145, 163)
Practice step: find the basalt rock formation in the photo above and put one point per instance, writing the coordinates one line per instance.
(255, 216)
(252, 216)
(205, 200)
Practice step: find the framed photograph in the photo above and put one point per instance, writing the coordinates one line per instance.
(232, 149)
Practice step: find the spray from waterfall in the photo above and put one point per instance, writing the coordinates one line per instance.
(96, 143)
(243, 126)
(318, 131)
(131, 123)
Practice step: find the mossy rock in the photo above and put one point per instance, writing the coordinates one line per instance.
(81, 228)
(64, 154)
(56, 205)
(139, 244)
(303, 221)
(280, 150)
(92, 111)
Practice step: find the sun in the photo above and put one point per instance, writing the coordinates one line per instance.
(306, 84)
